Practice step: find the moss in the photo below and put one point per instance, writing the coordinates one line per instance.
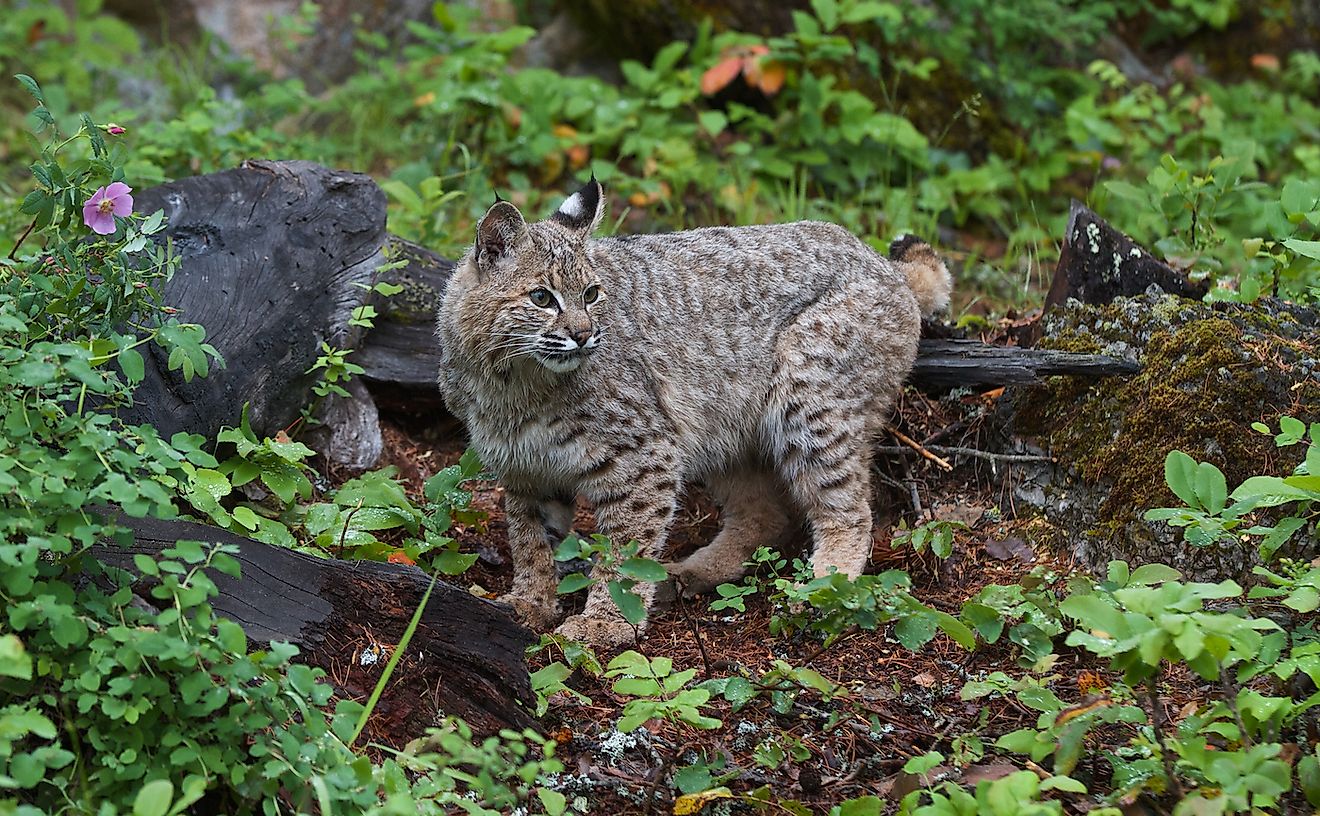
(1207, 374)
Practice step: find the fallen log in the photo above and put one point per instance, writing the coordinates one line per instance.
(401, 350)
(465, 658)
(971, 364)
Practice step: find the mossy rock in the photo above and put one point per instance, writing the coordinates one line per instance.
(1208, 372)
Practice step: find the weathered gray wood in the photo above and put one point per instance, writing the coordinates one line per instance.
(402, 349)
(466, 657)
(971, 364)
(271, 253)
(349, 436)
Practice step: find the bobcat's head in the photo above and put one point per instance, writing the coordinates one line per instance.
(531, 295)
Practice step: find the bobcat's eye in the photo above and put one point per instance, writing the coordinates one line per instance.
(592, 293)
(542, 298)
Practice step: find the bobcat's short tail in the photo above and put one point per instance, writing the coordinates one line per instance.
(926, 273)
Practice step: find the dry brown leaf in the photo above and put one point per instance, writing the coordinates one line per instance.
(1081, 708)
(987, 772)
(1265, 62)
(771, 76)
(578, 156)
(1089, 682)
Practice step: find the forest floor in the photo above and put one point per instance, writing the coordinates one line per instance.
(895, 704)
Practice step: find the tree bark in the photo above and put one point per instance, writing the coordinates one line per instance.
(273, 254)
(1098, 263)
(465, 658)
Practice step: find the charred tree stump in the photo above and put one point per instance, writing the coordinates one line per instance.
(465, 658)
(271, 253)
(401, 349)
(1098, 263)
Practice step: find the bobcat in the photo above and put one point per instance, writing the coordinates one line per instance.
(760, 361)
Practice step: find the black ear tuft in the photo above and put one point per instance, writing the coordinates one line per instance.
(583, 210)
(498, 232)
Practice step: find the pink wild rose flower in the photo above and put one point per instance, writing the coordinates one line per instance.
(100, 210)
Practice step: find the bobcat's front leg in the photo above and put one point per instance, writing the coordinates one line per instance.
(634, 500)
(536, 526)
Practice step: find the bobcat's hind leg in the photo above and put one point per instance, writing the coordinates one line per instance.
(839, 365)
(837, 500)
(754, 513)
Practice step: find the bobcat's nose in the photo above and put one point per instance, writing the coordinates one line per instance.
(580, 336)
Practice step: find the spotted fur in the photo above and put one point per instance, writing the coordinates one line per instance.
(760, 361)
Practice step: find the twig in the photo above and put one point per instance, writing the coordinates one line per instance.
(916, 446)
(344, 533)
(696, 630)
(14, 252)
(950, 429)
(830, 643)
(913, 494)
(1157, 723)
(972, 452)
(655, 782)
(1230, 697)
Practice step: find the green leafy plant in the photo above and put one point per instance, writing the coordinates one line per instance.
(122, 689)
(623, 566)
(781, 684)
(1028, 610)
(1018, 793)
(659, 692)
(936, 536)
(1208, 518)
(833, 605)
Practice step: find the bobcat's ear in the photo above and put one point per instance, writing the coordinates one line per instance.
(583, 210)
(498, 233)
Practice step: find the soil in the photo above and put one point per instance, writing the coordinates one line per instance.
(896, 704)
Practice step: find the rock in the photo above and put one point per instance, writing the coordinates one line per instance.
(1208, 372)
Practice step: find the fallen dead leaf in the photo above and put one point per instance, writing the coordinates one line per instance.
(988, 772)
(1265, 62)
(1084, 707)
(690, 803)
(963, 512)
(1011, 548)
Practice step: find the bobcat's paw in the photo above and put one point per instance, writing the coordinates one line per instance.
(695, 577)
(539, 617)
(603, 633)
